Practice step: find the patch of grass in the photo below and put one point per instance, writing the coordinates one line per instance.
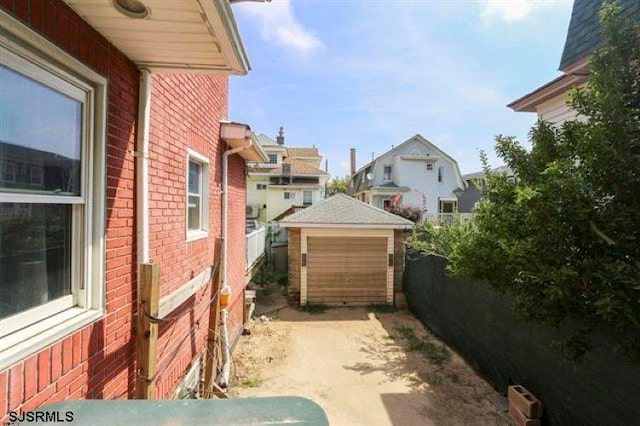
(314, 309)
(250, 382)
(434, 352)
(381, 308)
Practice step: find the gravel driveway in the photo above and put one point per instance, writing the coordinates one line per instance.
(354, 363)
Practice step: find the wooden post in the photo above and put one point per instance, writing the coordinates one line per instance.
(214, 320)
(147, 339)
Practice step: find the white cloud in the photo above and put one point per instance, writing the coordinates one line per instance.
(280, 26)
(514, 10)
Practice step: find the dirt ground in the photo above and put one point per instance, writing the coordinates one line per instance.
(355, 363)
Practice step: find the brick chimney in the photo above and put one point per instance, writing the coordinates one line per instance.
(280, 138)
(353, 161)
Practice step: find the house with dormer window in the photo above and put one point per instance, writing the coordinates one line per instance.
(290, 180)
(415, 173)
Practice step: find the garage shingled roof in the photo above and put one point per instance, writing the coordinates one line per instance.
(341, 209)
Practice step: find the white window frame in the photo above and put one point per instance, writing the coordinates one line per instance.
(289, 195)
(26, 333)
(261, 186)
(387, 176)
(440, 174)
(429, 167)
(305, 192)
(272, 162)
(203, 232)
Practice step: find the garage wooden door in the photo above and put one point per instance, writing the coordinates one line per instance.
(346, 270)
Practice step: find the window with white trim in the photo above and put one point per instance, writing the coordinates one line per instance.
(273, 159)
(429, 167)
(289, 195)
(440, 173)
(388, 174)
(197, 196)
(261, 186)
(307, 198)
(51, 196)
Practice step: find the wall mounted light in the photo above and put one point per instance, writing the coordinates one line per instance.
(132, 8)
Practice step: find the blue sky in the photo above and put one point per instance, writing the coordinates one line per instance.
(370, 74)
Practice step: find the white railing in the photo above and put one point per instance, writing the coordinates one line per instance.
(447, 218)
(255, 245)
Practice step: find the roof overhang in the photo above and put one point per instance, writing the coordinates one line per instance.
(239, 135)
(187, 36)
(284, 224)
(562, 84)
(296, 186)
(388, 190)
(282, 174)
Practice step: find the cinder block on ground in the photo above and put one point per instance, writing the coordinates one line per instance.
(525, 401)
(520, 418)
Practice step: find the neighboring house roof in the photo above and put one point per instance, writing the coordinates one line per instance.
(343, 211)
(303, 152)
(288, 212)
(550, 90)
(361, 183)
(477, 175)
(298, 167)
(584, 36)
(266, 140)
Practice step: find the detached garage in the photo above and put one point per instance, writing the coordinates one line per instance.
(345, 252)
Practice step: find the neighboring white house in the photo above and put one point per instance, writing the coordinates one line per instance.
(422, 173)
(291, 180)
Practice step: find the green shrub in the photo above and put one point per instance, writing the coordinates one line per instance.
(439, 240)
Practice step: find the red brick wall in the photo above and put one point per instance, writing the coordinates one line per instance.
(185, 114)
(99, 360)
(95, 362)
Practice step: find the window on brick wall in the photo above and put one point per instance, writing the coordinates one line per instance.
(52, 166)
(197, 196)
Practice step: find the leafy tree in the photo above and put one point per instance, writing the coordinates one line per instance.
(338, 185)
(565, 238)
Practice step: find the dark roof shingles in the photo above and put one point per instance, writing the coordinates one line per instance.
(584, 36)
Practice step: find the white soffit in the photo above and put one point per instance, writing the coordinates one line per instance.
(178, 35)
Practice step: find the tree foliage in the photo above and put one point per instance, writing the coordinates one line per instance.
(564, 238)
(338, 185)
(438, 240)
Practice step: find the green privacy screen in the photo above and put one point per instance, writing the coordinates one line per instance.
(603, 389)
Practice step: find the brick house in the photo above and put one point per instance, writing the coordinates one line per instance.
(113, 134)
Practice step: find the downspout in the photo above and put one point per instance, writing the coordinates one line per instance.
(226, 352)
(142, 167)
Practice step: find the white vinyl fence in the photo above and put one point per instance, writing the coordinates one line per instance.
(255, 245)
